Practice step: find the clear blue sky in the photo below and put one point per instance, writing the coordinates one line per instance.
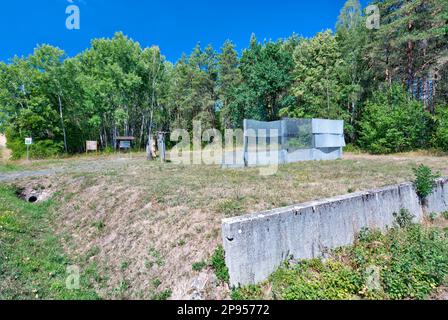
(174, 25)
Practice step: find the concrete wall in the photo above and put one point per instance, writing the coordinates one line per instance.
(326, 140)
(257, 244)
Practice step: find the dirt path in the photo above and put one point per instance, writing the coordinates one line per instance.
(76, 167)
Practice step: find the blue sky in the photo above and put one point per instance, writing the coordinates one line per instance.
(176, 26)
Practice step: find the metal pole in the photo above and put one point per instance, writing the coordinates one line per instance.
(27, 153)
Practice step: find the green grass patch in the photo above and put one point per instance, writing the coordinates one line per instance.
(32, 262)
(163, 295)
(10, 167)
(410, 263)
(198, 266)
(219, 264)
(231, 207)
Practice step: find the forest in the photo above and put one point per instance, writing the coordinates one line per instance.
(389, 85)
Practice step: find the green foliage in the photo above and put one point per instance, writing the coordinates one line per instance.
(352, 148)
(432, 216)
(314, 280)
(392, 122)
(440, 139)
(198, 266)
(116, 87)
(317, 86)
(411, 263)
(32, 261)
(266, 71)
(9, 167)
(163, 295)
(230, 207)
(219, 264)
(424, 181)
(251, 292)
(403, 218)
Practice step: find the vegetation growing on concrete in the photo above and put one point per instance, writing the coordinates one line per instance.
(405, 263)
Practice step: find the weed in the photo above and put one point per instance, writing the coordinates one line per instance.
(219, 265)
(155, 258)
(121, 289)
(424, 181)
(230, 207)
(403, 218)
(432, 216)
(93, 251)
(124, 265)
(163, 295)
(156, 283)
(409, 262)
(198, 266)
(99, 225)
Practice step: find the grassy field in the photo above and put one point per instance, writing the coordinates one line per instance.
(32, 261)
(146, 229)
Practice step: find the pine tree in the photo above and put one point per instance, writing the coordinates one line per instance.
(228, 82)
(410, 42)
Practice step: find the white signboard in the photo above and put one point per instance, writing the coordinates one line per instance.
(28, 141)
(91, 146)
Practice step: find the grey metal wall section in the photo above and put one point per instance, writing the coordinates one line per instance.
(256, 244)
(297, 139)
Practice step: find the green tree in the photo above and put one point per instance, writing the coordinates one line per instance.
(393, 122)
(317, 82)
(228, 82)
(411, 42)
(356, 81)
(267, 75)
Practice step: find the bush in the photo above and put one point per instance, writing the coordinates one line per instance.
(424, 182)
(411, 262)
(392, 122)
(403, 218)
(40, 149)
(440, 139)
(219, 264)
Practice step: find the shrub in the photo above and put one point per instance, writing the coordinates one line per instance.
(251, 292)
(38, 150)
(411, 262)
(392, 122)
(440, 139)
(219, 264)
(403, 218)
(424, 182)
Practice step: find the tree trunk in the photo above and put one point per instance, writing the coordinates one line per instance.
(62, 123)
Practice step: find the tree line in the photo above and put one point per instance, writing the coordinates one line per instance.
(388, 84)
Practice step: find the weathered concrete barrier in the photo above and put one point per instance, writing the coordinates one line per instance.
(256, 244)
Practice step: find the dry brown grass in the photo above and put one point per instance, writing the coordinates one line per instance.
(144, 223)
